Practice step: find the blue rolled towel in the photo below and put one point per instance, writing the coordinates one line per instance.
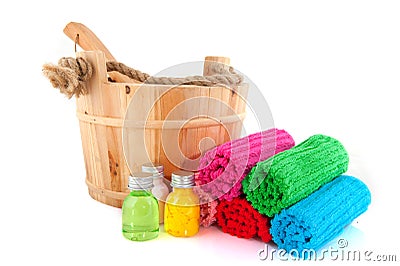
(317, 219)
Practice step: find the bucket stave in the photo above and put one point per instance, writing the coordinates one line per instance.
(170, 125)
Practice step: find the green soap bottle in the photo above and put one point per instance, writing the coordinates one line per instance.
(140, 217)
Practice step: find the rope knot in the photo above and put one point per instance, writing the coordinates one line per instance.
(69, 75)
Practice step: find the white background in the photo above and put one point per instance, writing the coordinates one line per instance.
(327, 67)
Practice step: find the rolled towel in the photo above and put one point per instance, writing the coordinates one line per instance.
(292, 175)
(317, 219)
(208, 207)
(222, 168)
(239, 218)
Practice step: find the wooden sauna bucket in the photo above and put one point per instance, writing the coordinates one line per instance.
(169, 120)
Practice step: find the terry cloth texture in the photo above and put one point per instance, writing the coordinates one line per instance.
(239, 218)
(208, 207)
(222, 168)
(317, 219)
(292, 175)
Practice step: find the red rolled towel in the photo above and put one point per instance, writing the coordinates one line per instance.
(222, 168)
(239, 218)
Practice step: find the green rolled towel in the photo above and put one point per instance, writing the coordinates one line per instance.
(294, 174)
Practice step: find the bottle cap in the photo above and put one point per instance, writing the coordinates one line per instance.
(140, 181)
(182, 179)
(156, 169)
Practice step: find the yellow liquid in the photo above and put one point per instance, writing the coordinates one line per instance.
(182, 213)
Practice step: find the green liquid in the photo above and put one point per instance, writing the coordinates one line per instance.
(140, 219)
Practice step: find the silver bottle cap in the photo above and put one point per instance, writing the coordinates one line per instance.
(182, 179)
(140, 181)
(156, 169)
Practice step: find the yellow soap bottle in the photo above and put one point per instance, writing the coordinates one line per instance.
(182, 210)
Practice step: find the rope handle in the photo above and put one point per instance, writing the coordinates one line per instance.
(71, 74)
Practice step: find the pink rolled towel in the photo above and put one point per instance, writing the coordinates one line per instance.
(222, 168)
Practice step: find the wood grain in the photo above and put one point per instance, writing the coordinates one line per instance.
(88, 41)
(127, 124)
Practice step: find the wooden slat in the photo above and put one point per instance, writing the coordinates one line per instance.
(104, 139)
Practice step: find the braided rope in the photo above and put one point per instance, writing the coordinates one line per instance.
(71, 74)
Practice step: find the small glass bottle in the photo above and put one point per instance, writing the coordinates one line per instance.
(160, 189)
(182, 209)
(140, 217)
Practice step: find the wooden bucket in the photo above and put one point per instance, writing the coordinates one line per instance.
(164, 125)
